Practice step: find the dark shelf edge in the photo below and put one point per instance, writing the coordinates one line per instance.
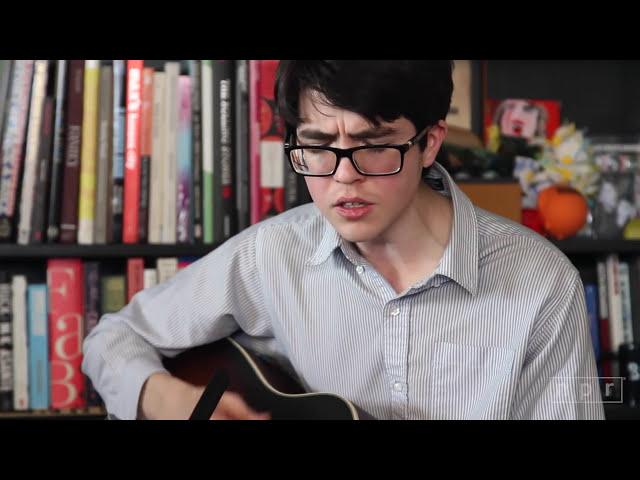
(587, 246)
(12, 251)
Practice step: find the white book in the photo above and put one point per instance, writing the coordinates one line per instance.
(156, 183)
(20, 343)
(615, 301)
(39, 90)
(150, 277)
(166, 268)
(170, 133)
(625, 300)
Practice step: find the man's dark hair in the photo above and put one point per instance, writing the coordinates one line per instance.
(419, 90)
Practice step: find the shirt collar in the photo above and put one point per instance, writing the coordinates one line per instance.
(460, 259)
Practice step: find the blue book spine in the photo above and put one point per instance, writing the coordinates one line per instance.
(591, 297)
(37, 310)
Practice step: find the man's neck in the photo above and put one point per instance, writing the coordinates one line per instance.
(412, 247)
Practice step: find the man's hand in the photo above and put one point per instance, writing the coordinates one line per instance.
(165, 397)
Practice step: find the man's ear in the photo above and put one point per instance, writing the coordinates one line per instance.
(435, 137)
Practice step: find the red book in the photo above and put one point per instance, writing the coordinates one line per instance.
(66, 313)
(272, 160)
(130, 232)
(135, 277)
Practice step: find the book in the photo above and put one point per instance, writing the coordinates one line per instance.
(225, 212)
(13, 141)
(157, 160)
(207, 153)
(135, 277)
(39, 91)
(92, 312)
(105, 155)
(170, 134)
(39, 223)
(184, 199)
(6, 343)
(114, 222)
(241, 146)
(113, 293)
(20, 343)
(195, 73)
(37, 312)
(58, 152)
(591, 298)
(150, 277)
(131, 211)
(89, 153)
(5, 81)
(166, 268)
(146, 118)
(65, 285)
(272, 200)
(73, 142)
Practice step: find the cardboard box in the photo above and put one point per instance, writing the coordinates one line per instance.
(502, 197)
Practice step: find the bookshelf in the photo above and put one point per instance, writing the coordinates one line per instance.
(612, 82)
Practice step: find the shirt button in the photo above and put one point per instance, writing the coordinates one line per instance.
(360, 269)
(395, 312)
(397, 386)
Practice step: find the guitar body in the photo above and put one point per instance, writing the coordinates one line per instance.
(263, 385)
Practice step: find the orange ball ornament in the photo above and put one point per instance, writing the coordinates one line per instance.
(563, 210)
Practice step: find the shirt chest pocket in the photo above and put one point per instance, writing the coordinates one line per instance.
(469, 381)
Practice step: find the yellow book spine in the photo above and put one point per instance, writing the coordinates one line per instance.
(89, 153)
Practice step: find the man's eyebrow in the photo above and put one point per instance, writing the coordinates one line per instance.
(370, 133)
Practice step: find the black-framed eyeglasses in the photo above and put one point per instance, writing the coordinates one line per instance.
(370, 160)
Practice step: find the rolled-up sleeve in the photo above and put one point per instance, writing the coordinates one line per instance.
(558, 380)
(206, 301)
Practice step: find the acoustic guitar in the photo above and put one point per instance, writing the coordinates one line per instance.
(226, 365)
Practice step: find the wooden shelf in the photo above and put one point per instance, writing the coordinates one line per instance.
(12, 251)
(90, 414)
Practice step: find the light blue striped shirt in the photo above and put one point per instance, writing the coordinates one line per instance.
(498, 331)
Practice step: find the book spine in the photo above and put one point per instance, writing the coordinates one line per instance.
(39, 90)
(6, 67)
(169, 233)
(625, 299)
(6, 344)
(254, 141)
(196, 147)
(89, 153)
(271, 145)
(131, 214)
(66, 326)
(69, 217)
(38, 223)
(113, 293)
(91, 318)
(12, 145)
(118, 148)
(207, 151)
(157, 160)
(224, 155)
(20, 344)
(184, 220)
(37, 312)
(146, 118)
(135, 277)
(57, 161)
(105, 143)
(603, 304)
(241, 112)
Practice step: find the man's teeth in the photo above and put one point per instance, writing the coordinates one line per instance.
(353, 204)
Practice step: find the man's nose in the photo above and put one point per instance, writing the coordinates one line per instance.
(346, 171)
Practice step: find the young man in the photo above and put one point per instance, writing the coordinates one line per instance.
(391, 289)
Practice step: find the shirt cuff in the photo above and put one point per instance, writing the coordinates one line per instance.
(134, 376)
